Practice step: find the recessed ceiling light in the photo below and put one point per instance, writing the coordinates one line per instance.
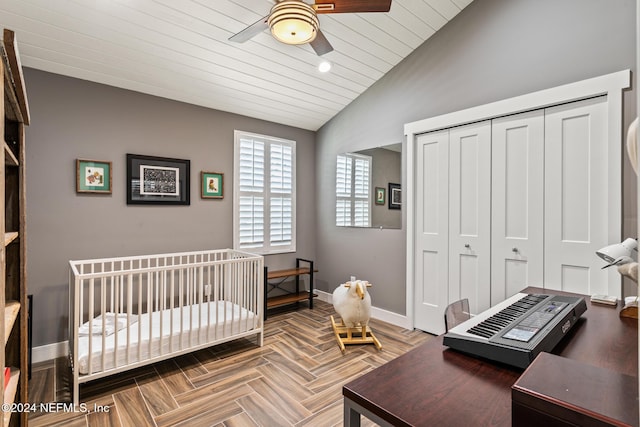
(324, 66)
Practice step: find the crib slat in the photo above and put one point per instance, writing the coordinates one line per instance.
(102, 312)
(200, 303)
(161, 308)
(140, 312)
(90, 317)
(181, 306)
(216, 293)
(129, 315)
(171, 305)
(116, 348)
(149, 311)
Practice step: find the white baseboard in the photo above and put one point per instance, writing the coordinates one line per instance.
(49, 352)
(60, 349)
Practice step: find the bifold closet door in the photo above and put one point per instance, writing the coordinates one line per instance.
(431, 262)
(517, 197)
(576, 195)
(470, 215)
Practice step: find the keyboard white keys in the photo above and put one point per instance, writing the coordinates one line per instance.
(463, 327)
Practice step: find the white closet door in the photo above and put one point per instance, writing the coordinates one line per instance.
(470, 215)
(517, 194)
(576, 208)
(431, 231)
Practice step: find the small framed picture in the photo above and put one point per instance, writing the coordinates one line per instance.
(380, 193)
(212, 185)
(93, 176)
(395, 196)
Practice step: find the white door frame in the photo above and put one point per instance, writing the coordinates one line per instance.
(610, 85)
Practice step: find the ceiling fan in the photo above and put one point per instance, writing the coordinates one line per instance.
(296, 22)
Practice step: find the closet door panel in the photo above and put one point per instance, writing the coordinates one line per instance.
(432, 231)
(470, 215)
(576, 194)
(517, 194)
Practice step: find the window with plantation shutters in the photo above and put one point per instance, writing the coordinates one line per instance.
(353, 198)
(264, 193)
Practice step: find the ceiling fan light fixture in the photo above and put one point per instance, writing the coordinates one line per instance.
(293, 22)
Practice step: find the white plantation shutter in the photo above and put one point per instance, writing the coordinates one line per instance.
(281, 226)
(343, 191)
(353, 195)
(361, 194)
(264, 193)
(251, 222)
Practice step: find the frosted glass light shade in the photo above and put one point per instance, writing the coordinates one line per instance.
(293, 22)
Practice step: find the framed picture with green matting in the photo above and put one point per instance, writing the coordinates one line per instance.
(93, 176)
(212, 185)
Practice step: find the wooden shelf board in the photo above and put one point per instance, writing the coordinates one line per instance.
(10, 392)
(11, 310)
(10, 237)
(288, 299)
(290, 272)
(9, 158)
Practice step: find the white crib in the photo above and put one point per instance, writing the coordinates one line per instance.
(131, 311)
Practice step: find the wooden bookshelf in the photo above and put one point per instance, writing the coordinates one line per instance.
(13, 301)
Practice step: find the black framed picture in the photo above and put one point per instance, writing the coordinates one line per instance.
(157, 180)
(395, 196)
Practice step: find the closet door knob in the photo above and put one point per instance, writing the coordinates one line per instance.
(515, 250)
(467, 246)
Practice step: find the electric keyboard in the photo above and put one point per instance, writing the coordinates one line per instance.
(516, 330)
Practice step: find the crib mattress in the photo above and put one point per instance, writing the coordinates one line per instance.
(163, 332)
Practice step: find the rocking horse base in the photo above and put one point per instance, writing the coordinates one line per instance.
(357, 335)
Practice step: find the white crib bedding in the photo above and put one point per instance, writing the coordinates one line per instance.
(217, 320)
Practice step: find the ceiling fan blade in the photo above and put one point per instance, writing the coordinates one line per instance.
(253, 29)
(351, 6)
(320, 44)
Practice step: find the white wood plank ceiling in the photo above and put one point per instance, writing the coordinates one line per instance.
(180, 50)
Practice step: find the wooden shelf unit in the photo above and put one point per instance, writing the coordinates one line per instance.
(289, 297)
(13, 301)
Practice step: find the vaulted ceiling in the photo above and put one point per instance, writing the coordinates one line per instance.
(180, 50)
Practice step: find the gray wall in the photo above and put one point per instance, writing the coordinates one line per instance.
(494, 49)
(78, 119)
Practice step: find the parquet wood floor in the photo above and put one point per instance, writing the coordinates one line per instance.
(295, 379)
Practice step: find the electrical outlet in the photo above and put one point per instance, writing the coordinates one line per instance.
(207, 290)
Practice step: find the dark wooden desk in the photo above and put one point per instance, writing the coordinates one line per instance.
(433, 385)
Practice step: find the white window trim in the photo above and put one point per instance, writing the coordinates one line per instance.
(266, 249)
